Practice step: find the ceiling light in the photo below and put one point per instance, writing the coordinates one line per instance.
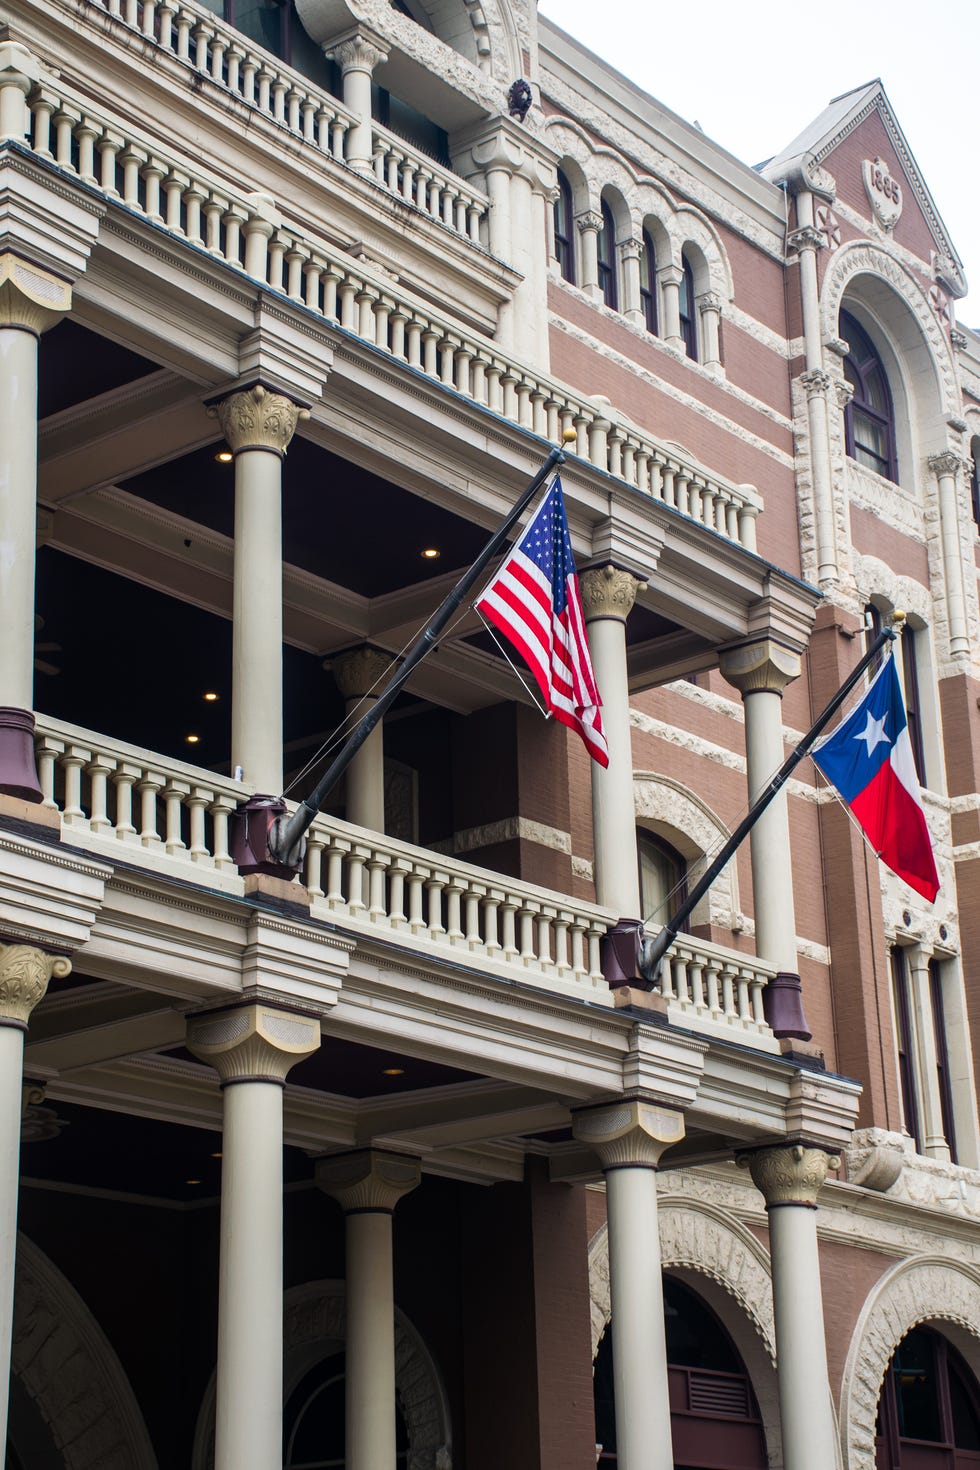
(210, 697)
(430, 553)
(192, 1181)
(192, 739)
(393, 1072)
(216, 1156)
(224, 456)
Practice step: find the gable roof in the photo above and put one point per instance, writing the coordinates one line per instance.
(801, 160)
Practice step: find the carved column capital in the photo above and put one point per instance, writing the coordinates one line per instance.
(358, 673)
(25, 973)
(253, 1043)
(368, 1180)
(670, 275)
(628, 1134)
(608, 592)
(360, 52)
(946, 465)
(808, 237)
(791, 1175)
(590, 220)
(760, 667)
(844, 391)
(816, 383)
(31, 299)
(630, 249)
(258, 418)
(708, 301)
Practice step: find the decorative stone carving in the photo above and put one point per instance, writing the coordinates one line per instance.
(630, 248)
(884, 192)
(808, 237)
(762, 666)
(368, 1179)
(844, 391)
(30, 298)
(258, 418)
(359, 53)
(791, 1175)
(361, 671)
(829, 226)
(590, 220)
(875, 1158)
(253, 1043)
(816, 383)
(38, 1124)
(631, 1132)
(948, 463)
(608, 592)
(25, 973)
(709, 301)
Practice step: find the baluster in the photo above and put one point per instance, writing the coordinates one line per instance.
(152, 173)
(597, 929)
(629, 462)
(214, 209)
(236, 56)
(712, 973)
(474, 893)
(366, 298)
(478, 379)
(681, 988)
(173, 187)
(377, 912)
(454, 916)
(109, 147)
(338, 137)
(643, 471)
(563, 919)
(221, 810)
(279, 89)
(422, 183)
(524, 414)
(416, 884)
(667, 484)
(85, 135)
(132, 14)
(309, 120)
(581, 426)
(615, 443)
(315, 843)
(47, 752)
(580, 967)
(464, 358)
(197, 805)
(390, 176)
(401, 869)
(546, 920)
(473, 216)
(185, 23)
(265, 87)
(166, 10)
(296, 257)
(408, 181)
(200, 35)
(233, 221)
(528, 912)
(459, 211)
(43, 108)
(744, 999)
(249, 67)
(100, 769)
(667, 978)
(728, 973)
(510, 402)
(173, 794)
(123, 781)
(681, 481)
(696, 972)
(355, 878)
(74, 758)
(378, 161)
(398, 319)
(414, 331)
(430, 351)
(149, 789)
(277, 250)
(447, 207)
(599, 443)
(509, 929)
(435, 883)
(491, 912)
(756, 987)
(193, 199)
(539, 414)
(335, 873)
(348, 302)
(64, 121)
(218, 48)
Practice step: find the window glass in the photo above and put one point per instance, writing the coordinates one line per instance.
(869, 421)
(663, 878)
(689, 329)
(607, 259)
(564, 227)
(648, 283)
(903, 1039)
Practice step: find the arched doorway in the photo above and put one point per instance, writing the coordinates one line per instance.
(929, 1408)
(714, 1418)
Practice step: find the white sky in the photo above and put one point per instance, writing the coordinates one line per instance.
(753, 73)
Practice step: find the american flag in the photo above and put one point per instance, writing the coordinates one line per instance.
(534, 602)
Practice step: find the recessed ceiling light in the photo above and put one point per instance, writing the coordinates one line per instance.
(224, 456)
(393, 1072)
(217, 1156)
(430, 553)
(192, 1181)
(192, 739)
(210, 697)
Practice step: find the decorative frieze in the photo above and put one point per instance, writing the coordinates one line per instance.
(25, 973)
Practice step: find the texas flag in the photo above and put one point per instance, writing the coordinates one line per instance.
(869, 760)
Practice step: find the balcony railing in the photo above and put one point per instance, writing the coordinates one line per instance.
(702, 982)
(209, 48)
(249, 233)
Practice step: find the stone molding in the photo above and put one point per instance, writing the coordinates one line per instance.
(360, 672)
(368, 1180)
(789, 1176)
(923, 1289)
(632, 1132)
(760, 667)
(258, 418)
(31, 299)
(608, 592)
(67, 1366)
(253, 1043)
(25, 973)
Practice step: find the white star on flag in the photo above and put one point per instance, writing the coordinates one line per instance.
(874, 732)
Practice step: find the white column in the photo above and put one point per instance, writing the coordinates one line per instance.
(930, 1109)
(629, 1138)
(709, 311)
(31, 300)
(368, 1185)
(589, 225)
(608, 595)
(669, 278)
(806, 240)
(360, 676)
(258, 425)
(357, 56)
(790, 1178)
(946, 468)
(24, 976)
(629, 256)
(252, 1049)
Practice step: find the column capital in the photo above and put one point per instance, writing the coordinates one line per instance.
(670, 275)
(760, 667)
(808, 237)
(631, 1133)
(253, 1043)
(358, 672)
(816, 383)
(630, 248)
(708, 301)
(258, 418)
(946, 464)
(31, 299)
(369, 1180)
(590, 219)
(25, 973)
(790, 1175)
(608, 592)
(359, 50)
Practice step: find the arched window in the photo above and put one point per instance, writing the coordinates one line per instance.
(975, 480)
(313, 1421)
(607, 258)
(929, 1408)
(564, 230)
(663, 878)
(869, 419)
(714, 1418)
(689, 329)
(648, 283)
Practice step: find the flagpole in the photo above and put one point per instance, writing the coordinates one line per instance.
(287, 832)
(652, 951)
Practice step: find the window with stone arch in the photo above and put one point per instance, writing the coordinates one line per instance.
(608, 281)
(663, 879)
(648, 282)
(686, 307)
(869, 418)
(565, 229)
(928, 1408)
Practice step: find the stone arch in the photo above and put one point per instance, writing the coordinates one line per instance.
(923, 1289)
(729, 1268)
(315, 1326)
(64, 1362)
(673, 811)
(691, 232)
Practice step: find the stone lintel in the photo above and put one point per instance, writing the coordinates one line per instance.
(822, 1108)
(368, 1180)
(294, 360)
(252, 1043)
(628, 1131)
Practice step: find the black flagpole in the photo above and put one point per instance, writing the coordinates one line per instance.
(652, 951)
(287, 832)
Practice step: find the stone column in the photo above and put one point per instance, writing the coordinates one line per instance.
(629, 1137)
(629, 256)
(926, 1071)
(709, 311)
(252, 1049)
(760, 671)
(258, 424)
(589, 224)
(817, 385)
(19, 72)
(368, 1185)
(31, 300)
(360, 676)
(357, 55)
(24, 976)
(608, 595)
(669, 278)
(946, 468)
(790, 1178)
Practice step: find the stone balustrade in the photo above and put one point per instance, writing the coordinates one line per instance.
(703, 982)
(210, 48)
